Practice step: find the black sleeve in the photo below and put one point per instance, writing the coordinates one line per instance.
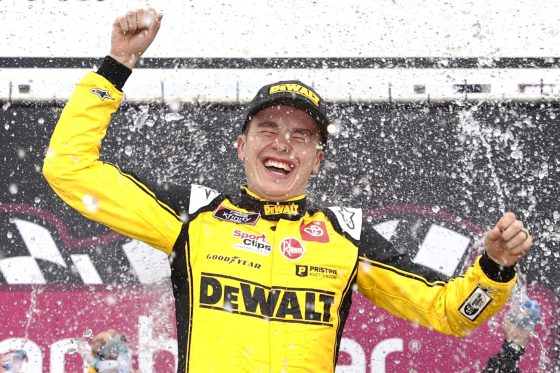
(114, 71)
(506, 360)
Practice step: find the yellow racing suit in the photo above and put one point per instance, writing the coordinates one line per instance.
(259, 286)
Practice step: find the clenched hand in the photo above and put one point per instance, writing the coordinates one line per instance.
(508, 241)
(132, 35)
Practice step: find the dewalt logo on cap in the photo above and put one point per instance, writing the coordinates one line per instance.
(295, 88)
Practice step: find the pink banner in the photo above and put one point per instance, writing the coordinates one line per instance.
(380, 342)
(48, 320)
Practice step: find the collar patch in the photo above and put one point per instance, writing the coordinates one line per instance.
(281, 209)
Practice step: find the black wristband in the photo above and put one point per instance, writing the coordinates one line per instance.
(114, 71)
(495, 271)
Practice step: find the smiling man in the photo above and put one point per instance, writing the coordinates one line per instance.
(263, 282)
(281, 145)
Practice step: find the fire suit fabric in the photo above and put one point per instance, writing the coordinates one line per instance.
(259, 286)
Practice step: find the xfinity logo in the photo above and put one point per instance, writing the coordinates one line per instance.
(226, 214)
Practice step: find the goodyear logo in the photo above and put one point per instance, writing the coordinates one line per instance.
(248, 298)
(295, 88)
(291, 209)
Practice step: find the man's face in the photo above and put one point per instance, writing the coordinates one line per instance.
(279, 150)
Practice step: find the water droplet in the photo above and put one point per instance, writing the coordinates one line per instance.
(90, 202)
(128, 150)
(516, 154)
(169, 117)
(13, 188)
(331, 128)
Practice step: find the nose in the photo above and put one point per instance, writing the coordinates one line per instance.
(282, 142)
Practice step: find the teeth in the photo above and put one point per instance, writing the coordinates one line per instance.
(285, 166)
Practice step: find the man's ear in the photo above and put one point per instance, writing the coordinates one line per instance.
(318, 160)
(241, 140)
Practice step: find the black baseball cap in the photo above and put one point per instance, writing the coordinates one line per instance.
(295, 94)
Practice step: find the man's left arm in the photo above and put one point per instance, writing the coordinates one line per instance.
(451, 306)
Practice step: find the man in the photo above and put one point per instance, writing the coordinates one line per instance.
(262, 282)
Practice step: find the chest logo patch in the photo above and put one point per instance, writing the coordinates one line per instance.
(315, 231)
(291, 248)
(226, 214)
(252, 242)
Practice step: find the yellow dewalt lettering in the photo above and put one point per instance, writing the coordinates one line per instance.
(280, 209)
(296, 88)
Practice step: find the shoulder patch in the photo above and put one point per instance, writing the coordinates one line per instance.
(200, 196)
(350, 220)
(102, 94)
(475, 304)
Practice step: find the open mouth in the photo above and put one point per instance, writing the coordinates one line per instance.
(278, 167)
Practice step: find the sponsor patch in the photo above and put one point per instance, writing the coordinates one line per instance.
(475, 304)
(102, 94)
(226, 293)
(304, 270)
(226, 214)
(255, 243)
(291, 248)
(315, 231)
(288, 209)
(234, 260)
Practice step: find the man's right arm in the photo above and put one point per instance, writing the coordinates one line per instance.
(98, 190)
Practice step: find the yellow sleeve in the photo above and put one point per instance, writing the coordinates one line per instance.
(98, 190)
(453, 307)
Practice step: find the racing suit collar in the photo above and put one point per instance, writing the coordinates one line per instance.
(292, 209)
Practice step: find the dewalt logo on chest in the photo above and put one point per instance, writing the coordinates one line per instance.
(247, 298)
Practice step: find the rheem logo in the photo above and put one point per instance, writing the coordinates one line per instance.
(291, 248)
